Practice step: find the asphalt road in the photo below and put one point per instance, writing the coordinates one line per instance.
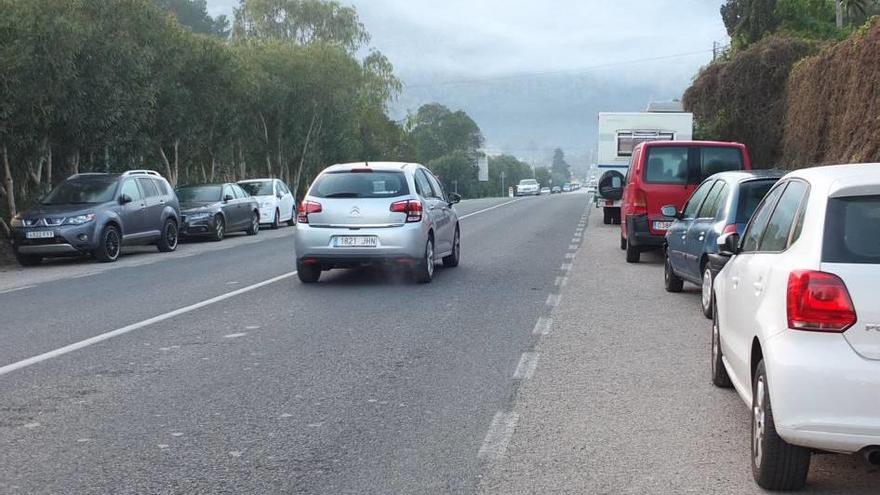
(621, 400)
(364, 383)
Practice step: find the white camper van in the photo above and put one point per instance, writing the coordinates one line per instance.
(619, 133)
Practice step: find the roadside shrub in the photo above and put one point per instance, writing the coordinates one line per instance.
(833, 104)
(743, 99)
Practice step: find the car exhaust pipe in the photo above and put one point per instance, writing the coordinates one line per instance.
(871, 455)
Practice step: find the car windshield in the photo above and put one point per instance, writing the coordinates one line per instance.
(261, 188)
(360, 185)
(528, 182)
(198, 194)
(85, 191)
(750, 195)
(852, 230)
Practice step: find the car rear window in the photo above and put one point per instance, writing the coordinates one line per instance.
(750, 195)
(360, 185)
(262, 188)
(667, 165)
(689, 164)
(852, 230)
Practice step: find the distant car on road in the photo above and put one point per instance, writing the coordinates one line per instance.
(667, 173)
(528, 187)
(213, 210)
(97, 214)
(545, 190)
(555, 190)
(722, 204)
(376, 213)
(796, 329)
(566, 188)
(275, 199)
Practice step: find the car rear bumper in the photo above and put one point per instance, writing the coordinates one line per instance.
(639, 234)
(319, 243)
(267, 214)
(824, 395)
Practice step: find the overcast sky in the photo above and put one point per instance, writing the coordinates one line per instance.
(481, 55)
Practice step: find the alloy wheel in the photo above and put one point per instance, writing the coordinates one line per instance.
(111, 243)
(171, 235)
(758, 424)
(707, 288)
(219, 229)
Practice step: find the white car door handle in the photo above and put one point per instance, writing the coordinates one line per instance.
(734, 281)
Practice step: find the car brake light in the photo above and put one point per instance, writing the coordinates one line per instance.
(818, 302)
(730, 229)
(361, 171)
(639, 202)
(411, 207)
(305, 208)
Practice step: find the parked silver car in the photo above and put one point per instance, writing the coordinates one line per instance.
(376, 213)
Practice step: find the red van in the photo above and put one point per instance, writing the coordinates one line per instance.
(666, 173)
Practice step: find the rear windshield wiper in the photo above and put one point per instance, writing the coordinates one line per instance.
(342, 195)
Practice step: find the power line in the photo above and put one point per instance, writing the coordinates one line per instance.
(521, 75)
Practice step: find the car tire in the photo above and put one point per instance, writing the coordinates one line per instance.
(219, 229)
(622, 242)
(606, 216)
(707, 294)
(170, 235)
(633, 254)
(776, 464)
(671, 281)
(308, 274)
(292, 221)
(109, 245)
(254, 229)
(720, 378)
(276, 222)
(423, 272)
(28, 260)
(453, 259)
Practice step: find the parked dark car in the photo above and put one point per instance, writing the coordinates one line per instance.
(722, 204)
(97, 214)
(212, 210)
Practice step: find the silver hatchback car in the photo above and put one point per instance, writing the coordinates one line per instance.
(376, 213)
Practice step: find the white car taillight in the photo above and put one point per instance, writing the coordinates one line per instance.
(818, 302)
(305, 208)
(411, 207)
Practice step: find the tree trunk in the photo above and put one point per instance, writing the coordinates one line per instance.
(839, 8)
(213, 167)
(8, 184)
(280, 154)
(266, 141)
(75, 165)
(106, 159)
(302, 158)
(49, 169)
(241, 163)
(176, 159)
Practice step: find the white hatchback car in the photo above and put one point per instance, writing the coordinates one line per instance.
(797, 325)
(276, 201)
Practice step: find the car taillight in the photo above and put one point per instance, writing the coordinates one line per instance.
(305, 208)
(639, 202)
(818, 302)
(411, 207)
(730, 229)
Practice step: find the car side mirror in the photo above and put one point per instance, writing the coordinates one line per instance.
(124, 199)
(227, 198)
(279, 195)
(728, 244)
(670, 211)
(454, 198)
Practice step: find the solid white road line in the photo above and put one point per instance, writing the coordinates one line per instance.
(136, 326)
(487, 209)
(543, 326)
(526, 367)
(23, 287)
(553, 300)
(565, 267)
(495, 444)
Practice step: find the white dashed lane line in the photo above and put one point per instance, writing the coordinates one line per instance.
(526, 367)
(553, 300)
(495, 444)
(24, 287)
(543, 326)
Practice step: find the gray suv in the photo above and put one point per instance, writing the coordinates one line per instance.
(376, 213)
(97, 214)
